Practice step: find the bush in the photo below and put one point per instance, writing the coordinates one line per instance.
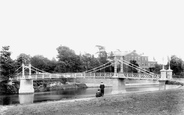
(8, 89)
(173, 83)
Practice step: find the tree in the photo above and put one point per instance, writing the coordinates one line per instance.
(71, 62)
(7, 70)
(176, 65)
(89, 61)
(102, 54)
(157, 68)
(60, 67)
(7, 65)
(43, 63)
(134, 64)
(22, 59)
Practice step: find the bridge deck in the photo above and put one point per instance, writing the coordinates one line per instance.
(90, 75)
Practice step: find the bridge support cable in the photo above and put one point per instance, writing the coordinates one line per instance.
(138, 68)
(97, 67)
(101, 68)
(18, 69)
(134, 66)
(39, 70)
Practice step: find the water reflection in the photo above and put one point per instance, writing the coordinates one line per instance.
(26, 98)
(7, 100)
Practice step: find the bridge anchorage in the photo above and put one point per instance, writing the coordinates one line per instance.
(115, 78)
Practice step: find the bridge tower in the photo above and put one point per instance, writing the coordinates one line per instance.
(169, 72)
(165, 75)
(118, 85)
(162, 79)
(26, 84)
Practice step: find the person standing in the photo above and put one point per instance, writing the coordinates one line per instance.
(102, 87)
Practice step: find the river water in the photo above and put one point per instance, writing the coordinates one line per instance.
(74, 93)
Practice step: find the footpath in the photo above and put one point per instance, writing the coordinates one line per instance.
(165, 102)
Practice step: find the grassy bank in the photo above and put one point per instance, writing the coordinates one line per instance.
(167, 102)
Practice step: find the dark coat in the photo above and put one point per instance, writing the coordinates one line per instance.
(102, 87)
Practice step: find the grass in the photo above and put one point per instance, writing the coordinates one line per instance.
(165, 102)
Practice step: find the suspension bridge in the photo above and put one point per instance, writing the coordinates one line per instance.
(26, 74)
(36, 74)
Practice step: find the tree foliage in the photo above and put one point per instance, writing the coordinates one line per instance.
(176, 65)
(157, 68)
(43, 63)
(22, 59)
(7, 70)
(89, 61)
(69, 60)
(134, 64)
(7, 65)
(102, 54)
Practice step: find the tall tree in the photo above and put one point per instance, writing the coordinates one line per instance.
(22, 59)
(66, 56)
(177, 65)
(7, 65)
(102, 54)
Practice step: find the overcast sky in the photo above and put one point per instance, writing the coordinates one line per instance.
(152, 27)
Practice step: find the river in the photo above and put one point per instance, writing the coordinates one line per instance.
(74, 93)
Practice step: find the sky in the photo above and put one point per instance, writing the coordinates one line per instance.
(38, 27)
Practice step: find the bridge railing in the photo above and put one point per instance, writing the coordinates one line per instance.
(139, 76)
(97, 75)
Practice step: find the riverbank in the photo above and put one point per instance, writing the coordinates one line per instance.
(143, 103)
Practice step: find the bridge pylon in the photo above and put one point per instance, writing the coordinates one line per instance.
(165, 75)
(26, 84)
(118, 84)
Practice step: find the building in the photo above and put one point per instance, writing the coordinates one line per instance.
(142, 60)
(151, 64)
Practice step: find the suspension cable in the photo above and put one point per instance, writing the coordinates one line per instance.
(135, 67)
(97, 67)
(36, 69)
(18, 69)
(102, 68)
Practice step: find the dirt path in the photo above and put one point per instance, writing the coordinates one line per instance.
(169, 102)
